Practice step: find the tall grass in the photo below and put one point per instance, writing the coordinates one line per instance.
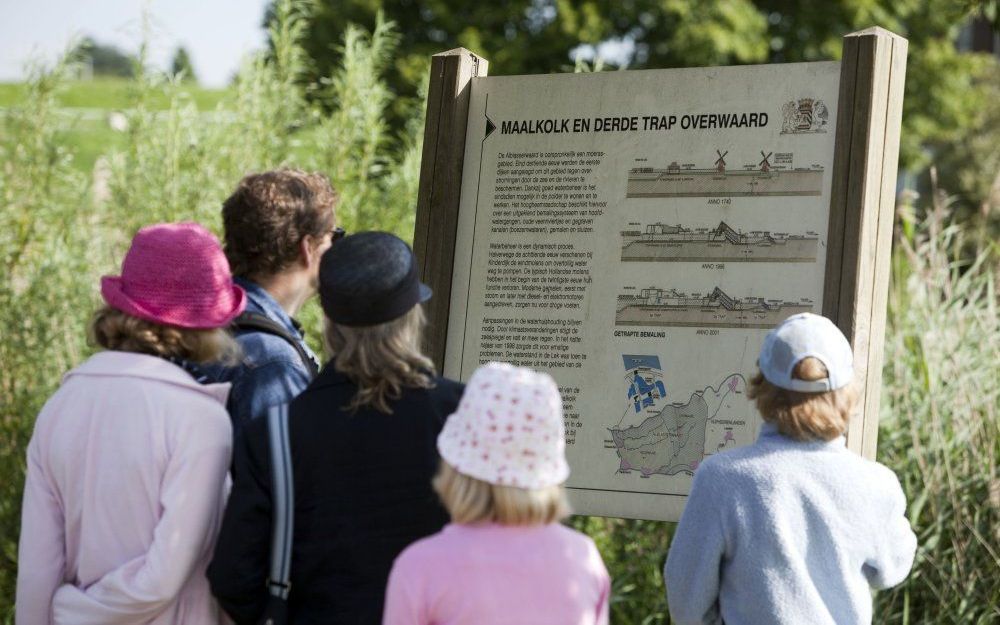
(47, 230)
(940, 424)
(60, 230)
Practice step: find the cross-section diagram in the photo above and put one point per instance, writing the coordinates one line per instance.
(659, 242)
(669, 307)
(755, 179)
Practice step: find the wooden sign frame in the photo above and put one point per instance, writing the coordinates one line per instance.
(862, 201)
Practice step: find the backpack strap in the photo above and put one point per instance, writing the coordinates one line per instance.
(263, 323)
(283, 503)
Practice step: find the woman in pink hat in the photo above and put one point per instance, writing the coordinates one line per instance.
(504, 558)
(127, 465)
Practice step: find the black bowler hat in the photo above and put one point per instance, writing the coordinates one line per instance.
(369, 278)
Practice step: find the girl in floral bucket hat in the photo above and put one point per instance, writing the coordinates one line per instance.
(127, 465)
(504, 558)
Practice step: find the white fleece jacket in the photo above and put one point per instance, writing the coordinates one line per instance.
(786, 532)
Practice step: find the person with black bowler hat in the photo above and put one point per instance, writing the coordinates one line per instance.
(362, 439)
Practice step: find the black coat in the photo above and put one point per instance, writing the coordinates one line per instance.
(362, 494)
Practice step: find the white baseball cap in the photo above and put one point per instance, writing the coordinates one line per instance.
(803, 336)
(508, 429)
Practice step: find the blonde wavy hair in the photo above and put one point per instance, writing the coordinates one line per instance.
(115, 330)
(381, 360)
(805, 416)
(470, 500)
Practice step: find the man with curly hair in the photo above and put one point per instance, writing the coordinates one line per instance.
(277, 226)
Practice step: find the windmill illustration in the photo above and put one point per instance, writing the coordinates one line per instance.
(720, 163)
(765, 164)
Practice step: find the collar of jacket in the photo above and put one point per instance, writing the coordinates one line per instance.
(129, 364)
(260, 301)
(769, 434)
(329, 376)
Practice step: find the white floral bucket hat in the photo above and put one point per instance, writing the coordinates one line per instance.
(508, 429)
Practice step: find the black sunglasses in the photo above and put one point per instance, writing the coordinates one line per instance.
(336, 234)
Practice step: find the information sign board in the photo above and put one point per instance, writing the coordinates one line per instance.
(635, 234)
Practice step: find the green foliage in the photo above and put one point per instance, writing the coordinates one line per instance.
(634, 553)
(104, 60)
(538, 36)
(970, 162)
(351, 142)
(45, 231)
(181, 65)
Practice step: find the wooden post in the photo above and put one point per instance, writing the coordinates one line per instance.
(441, 184)
(862, 207)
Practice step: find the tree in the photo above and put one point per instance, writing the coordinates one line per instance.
(105, 60)
(538, 36)
(182, 65)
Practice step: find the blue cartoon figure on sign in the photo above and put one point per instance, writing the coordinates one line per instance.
(646, 383)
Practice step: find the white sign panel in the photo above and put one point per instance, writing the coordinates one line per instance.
(635, 235)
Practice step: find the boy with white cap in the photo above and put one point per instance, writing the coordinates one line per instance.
(504, 558)
(794, 528)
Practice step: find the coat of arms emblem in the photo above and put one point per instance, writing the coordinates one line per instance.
(805, 115)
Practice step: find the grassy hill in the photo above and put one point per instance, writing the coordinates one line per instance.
(112, 94)
(85, 108)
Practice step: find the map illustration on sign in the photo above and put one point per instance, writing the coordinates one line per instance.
(760, 179)
(665, 243)
(673, 438)
(669, 307)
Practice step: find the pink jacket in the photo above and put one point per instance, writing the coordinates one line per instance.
(491, 574)
(127, 479)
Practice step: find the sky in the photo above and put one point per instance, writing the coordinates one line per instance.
(216, 33)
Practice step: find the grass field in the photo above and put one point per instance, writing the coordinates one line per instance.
(111, 94)
(84, 109)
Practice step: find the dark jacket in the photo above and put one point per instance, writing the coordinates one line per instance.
(362, 494)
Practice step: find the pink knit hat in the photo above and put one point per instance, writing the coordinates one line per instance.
(508, 429)
(177, 275)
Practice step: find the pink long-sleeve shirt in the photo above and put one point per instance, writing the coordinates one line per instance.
(492, 574)
(126, 483)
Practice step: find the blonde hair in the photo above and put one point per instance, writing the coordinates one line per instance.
(115, 330)
(805, 416)
(381, 359)
(470, 500)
